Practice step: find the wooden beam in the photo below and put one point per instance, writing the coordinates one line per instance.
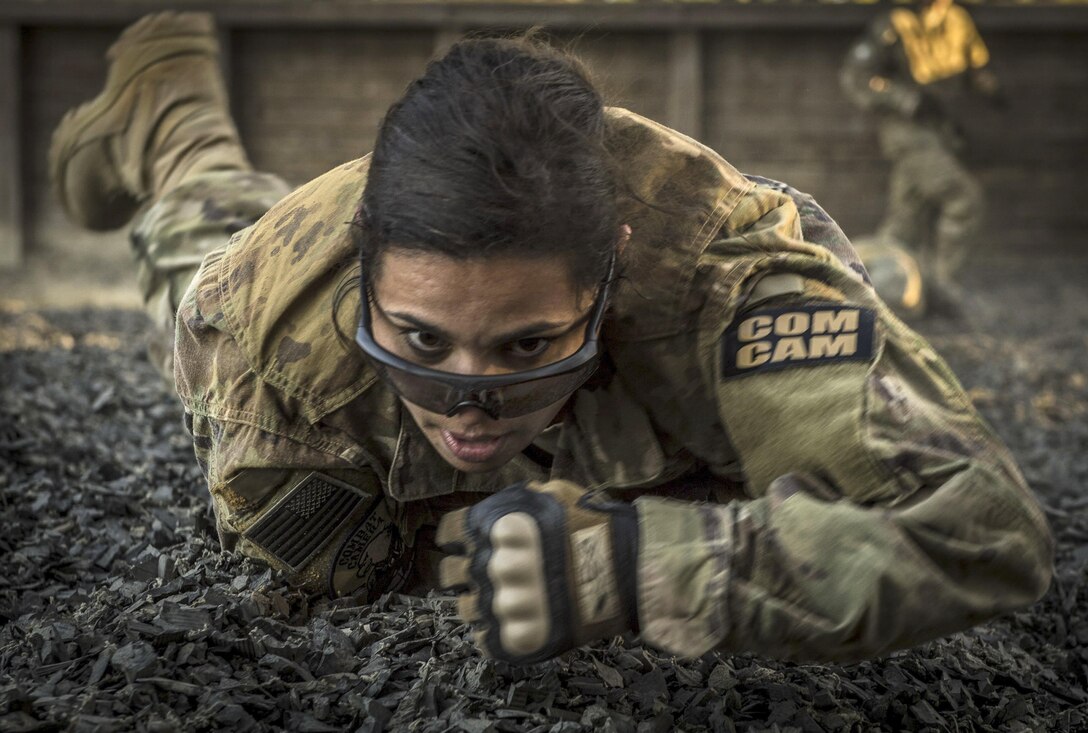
(586, 15)
(11, 164)
(686, 83)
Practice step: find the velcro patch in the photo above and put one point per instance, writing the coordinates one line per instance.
(305, 519)
(371, 559)
(800, 335)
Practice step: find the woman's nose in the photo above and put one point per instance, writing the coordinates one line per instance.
(473, 414)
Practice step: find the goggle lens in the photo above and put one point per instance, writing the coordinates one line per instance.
(508, 395)
(511, 400)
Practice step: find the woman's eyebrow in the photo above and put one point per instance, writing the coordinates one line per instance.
(527, 331)
(533, 330)
(414, 322)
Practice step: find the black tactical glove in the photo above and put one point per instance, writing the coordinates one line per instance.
(542, 568)
(929, 108)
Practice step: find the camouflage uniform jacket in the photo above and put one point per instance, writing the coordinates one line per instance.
(898, 61)
(861, 503)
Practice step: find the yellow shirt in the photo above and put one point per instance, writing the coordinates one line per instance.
(939, 50)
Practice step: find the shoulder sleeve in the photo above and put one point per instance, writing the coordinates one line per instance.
(308, 513)
(873, 75)
(884, 511)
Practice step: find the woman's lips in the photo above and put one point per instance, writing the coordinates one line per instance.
(472, 450)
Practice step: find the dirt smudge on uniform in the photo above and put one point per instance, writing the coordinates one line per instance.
(287, 226)
(290, 350)
(302, 244)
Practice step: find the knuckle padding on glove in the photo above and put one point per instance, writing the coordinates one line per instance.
(453, 572)
(549, 516)
(450, 533)
(467, 608)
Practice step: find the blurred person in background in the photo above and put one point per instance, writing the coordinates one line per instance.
(909, 69)
(552, 355)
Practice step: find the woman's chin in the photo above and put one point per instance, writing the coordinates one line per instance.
(474, 443)
(464, 466)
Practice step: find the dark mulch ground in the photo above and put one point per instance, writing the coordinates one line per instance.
(119, 612)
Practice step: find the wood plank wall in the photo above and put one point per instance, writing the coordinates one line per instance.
(765, 96)
(11, 187)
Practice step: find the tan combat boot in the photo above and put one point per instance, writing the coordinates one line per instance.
(162, 116)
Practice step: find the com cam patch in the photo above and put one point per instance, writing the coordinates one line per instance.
(801, 335)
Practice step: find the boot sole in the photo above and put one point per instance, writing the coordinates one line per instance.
(151, 40)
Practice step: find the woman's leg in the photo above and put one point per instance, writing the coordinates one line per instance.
(171, 239)
(160, 133)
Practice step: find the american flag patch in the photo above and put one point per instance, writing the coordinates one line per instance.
(305, 519)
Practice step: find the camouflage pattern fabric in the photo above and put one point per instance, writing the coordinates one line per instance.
(172, 237)
(862, 503)
(901, 72)
(878, 496)
(817, 226)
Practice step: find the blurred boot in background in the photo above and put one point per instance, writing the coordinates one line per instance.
(160, 133)
(894, 273)
(908, 69)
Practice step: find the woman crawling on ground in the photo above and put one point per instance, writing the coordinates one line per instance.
(617, 384)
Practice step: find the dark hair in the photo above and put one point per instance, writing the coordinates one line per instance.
(497, 149)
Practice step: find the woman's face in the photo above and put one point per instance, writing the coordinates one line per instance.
(494, 315)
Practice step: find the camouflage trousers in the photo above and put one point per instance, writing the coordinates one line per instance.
(935, 206)
(171, 238)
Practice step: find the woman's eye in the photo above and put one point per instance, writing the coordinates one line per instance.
(527, 348)
(425, 343)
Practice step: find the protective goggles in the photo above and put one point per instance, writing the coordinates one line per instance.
(500, 396)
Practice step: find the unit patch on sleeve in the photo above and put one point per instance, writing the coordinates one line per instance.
(801, 335)
(305, 519)
(372, 560)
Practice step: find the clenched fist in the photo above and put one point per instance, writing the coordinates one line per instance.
(542, 568)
